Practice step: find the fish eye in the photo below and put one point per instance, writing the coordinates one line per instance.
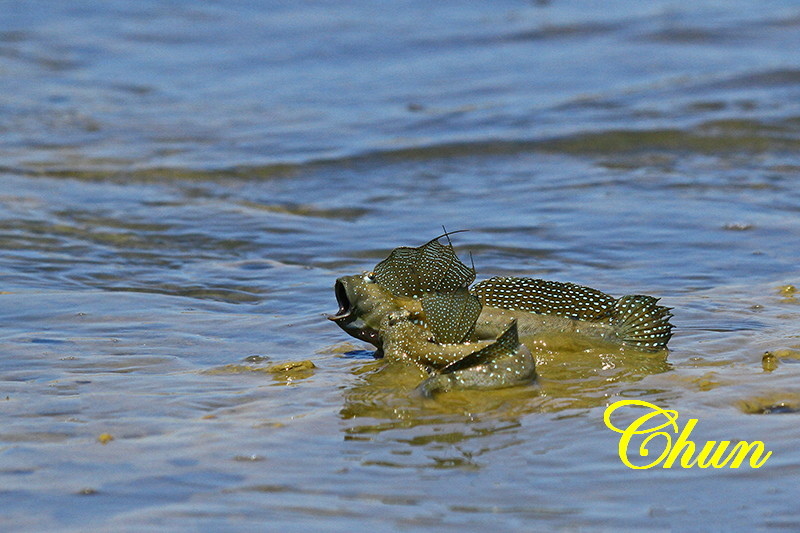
(369, 277)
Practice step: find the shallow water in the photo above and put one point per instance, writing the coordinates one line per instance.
(180, 185)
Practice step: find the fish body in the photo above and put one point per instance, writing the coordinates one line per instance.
(547, 331)
(434, 332)
(558, 315)
(417, 305)
(566, 313)
(502, 363)
(403, 338)
(490, 364)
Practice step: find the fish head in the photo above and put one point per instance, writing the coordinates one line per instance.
(401, 282)
(363, 304)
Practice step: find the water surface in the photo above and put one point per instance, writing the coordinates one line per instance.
(181, 183)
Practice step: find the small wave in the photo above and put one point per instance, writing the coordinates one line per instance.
(722, 136)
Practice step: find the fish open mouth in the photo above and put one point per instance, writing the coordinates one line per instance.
(348, 318)
(345, 307)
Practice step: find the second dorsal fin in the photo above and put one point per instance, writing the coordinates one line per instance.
(545, 297)
(451, 316)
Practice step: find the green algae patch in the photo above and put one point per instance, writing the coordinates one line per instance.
(773, 358)
(707, 381)
(769, 362)
(282, 373)
(281, 368)
(788, 293)
(787, 353)
(286, 373)
(291, 366)
(233, 369)
(787, 290)
(340, 348)
(773, 404)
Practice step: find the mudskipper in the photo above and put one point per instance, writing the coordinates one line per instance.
(417, 305)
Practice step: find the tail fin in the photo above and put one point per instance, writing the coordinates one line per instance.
(641, 322)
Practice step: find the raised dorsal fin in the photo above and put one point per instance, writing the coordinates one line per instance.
(545, 297)
(451, 316)
(432, 267)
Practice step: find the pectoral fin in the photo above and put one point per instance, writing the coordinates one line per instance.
(505, 345)
(504, 363)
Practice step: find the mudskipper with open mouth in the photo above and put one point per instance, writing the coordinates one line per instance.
(417, 305)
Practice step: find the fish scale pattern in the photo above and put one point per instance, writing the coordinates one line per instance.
(433, 274)
(545, 297)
